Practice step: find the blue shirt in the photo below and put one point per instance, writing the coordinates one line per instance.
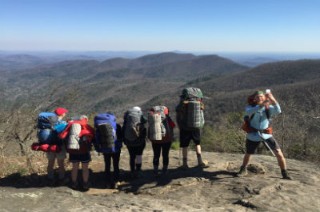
(260, 121)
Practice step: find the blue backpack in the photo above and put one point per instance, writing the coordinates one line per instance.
(106, 133)
(46, 122)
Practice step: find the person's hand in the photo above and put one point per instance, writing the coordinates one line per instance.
(271, 98)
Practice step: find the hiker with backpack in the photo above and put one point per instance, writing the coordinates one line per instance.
(109, 142)
(160, 133)
(262, 106)
(135, 135)
(190, 119)
(79, 135)
(60, 113)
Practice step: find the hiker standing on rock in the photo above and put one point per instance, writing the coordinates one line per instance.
(135, 135)
(60, 156)
(160, 133)
(79, 135)
(258, 114)
(109, 142)
(190, 119)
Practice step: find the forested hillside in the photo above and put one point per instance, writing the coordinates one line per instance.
(92, 86)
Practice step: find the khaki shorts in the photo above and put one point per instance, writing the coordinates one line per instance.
(59, 155)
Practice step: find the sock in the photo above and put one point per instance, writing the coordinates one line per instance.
(199, 159)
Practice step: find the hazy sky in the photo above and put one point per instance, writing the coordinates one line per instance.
(161, 25)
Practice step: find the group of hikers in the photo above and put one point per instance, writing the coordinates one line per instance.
(58, 137)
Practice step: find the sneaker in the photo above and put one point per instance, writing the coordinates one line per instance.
(243, 172)
(285, 175)
(204, 164)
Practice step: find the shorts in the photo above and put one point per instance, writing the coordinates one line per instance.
(59, 155)
(186, 136)
(83, 158)
(251, 146)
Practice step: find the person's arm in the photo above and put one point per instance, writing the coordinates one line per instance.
(274, 105)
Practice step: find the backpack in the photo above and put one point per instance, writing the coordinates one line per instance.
(157, 121)
(133, 129)
(106, 136)
(166, 125)
(190, 109)
(78, 135)
(45, 125)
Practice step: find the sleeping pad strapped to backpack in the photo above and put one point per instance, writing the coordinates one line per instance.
(157, 121)
(78, 135)
(48, 127)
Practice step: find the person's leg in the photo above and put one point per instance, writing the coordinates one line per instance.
(165, 156)
(74, 174)
(185, 139)
(139, 152)
(196, 137)
(116, 161)
(61, 168)
(251, 147)
(61, 156)
(107, 165)
(50, 167)
(132, 159)
(85, 173)
(185, 157)
(273, 144)
(156, 155)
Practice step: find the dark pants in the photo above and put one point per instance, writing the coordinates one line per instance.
(133, 152)
(157, 147)
(107, 161)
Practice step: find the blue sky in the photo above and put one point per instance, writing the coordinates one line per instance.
(161, 25)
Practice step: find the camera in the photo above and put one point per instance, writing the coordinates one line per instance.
(268, 91)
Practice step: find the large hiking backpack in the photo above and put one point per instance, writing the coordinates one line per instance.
(78, 135)
(46, 122)
(156, 117)
(190, 109)
(106, 136)
(132, 126)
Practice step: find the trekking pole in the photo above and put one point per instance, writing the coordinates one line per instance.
(266, 144)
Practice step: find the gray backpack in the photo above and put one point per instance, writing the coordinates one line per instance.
(132, 124)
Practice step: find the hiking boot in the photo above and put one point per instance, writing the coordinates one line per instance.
(155, 171)
(85, 186)
(184, 167)
(63, 181)
(165, 170)
(51, 182)
(243, 171)
(74, 185)
(203, 164)
(285, 175)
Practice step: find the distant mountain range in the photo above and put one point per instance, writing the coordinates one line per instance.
(90, 86)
